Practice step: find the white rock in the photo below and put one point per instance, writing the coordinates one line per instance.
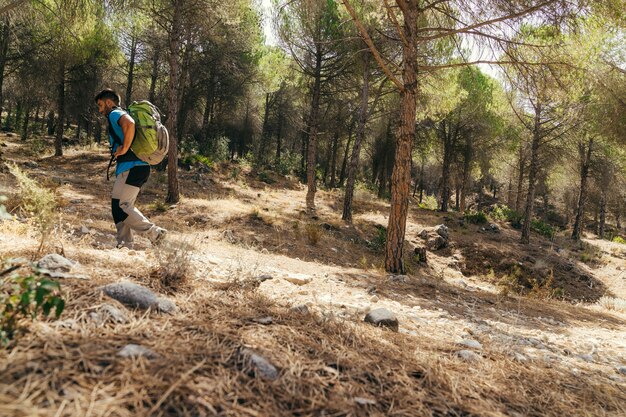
(470, 343)
(133, 351)
(468, 356)
(298, 279)
(364, 401)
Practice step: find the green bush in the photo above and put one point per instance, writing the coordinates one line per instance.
(378, 242)
(265, 177)
(197, 158)
(429, 203)
(476, 217)
(542, 228)
(24, 297)
(289, 163)
(504, 213)
(619, 239)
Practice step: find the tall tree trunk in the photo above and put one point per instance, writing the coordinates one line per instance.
(50, 123)
(173, 192)
(602, 224)
(356, 150)
(344, 164)
(25, 125)
(154, 75)
(4, 49)
(58, 143)
(207, 116)
(468, 154)
(313, 126)
(445, 169)
(582, 193)
(131, 68)
(520, 179)
(532, 177)
(401, 177)
(333, 158)
(264, 130)
(279, 134)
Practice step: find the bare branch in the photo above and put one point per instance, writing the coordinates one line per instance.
(371, 45)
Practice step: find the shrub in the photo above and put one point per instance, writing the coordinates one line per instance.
(379, 241)
(429, 203)
(476, 217)
(313, 233)
(24, 297)
(265, 177)
(619, 239)
(504, 213)
(542, 228)
(289, 163)
(174, 263)
(36, 201)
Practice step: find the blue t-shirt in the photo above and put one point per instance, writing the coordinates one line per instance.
(114, 118)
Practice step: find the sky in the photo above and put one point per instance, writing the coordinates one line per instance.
(270, 38)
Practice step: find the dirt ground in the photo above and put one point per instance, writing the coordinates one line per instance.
(549, 318)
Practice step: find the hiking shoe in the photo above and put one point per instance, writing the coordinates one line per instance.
(158, 235)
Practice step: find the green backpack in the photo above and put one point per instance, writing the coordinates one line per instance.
(151, 140)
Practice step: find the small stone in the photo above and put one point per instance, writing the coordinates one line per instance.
(468, 356)
(264, 277)
(298, 279)
(518, 357)
(84, 230)
(261, 366)
(375, 299)
(364, 401)
(494, 227)
(442, 230)
(77, 201)
(470, 343)
(586, 357)
(53, 262)
(134, 351)
(621, 370)
(31, 164)
(398, 278)
(382, 317)
(138, 296)
(265, 320)
(108, 313)
(301, 309)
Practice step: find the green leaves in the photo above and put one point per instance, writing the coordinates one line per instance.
(26, 297)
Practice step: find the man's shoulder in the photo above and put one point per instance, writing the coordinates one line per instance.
(116, 114)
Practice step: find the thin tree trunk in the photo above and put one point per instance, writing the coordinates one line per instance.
(468, 154)
(445, 169)
(131, 68)
(312, 143)
(4, 49)
(356, 150)
(520, 180)
(602, 225)
(344, 164)
(25, 125)
(173, 192)
(264, 130)
(582, 193)
(401, 177)
(58, 143)
(154, 74)
(532, 178)
(279, 134)
(333, 159)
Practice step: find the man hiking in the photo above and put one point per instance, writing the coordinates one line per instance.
(130, 174)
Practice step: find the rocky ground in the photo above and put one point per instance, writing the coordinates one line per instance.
(275, 312)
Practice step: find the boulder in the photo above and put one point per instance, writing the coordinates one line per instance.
(468, 355)
(137, 296)
(436, 237)
(55, 263)
(382, 317)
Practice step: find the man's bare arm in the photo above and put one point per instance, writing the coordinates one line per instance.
(128, 128)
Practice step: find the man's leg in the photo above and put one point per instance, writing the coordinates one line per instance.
(124, 195)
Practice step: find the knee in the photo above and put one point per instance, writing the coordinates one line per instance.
(117, 209)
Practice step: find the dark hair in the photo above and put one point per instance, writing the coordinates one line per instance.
(108, 93)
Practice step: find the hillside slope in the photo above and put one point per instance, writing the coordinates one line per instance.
(269, 321)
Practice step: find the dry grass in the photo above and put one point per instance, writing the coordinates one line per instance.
(324, 365)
